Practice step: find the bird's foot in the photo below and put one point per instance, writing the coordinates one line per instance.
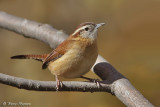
(97, 82)
(92, 80)
(59, 83)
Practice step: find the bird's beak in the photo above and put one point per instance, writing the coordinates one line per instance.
(99, 25)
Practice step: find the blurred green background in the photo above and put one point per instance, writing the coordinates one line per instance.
(130, 42)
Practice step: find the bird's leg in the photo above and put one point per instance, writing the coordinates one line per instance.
(58, 83)
(92, 80)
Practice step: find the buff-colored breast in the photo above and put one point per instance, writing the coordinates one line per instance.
(77, 61)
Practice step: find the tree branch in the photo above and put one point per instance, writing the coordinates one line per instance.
(31, 29)
(114, 81)
(51, 85)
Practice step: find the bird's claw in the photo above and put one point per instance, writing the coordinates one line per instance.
(59, 85)
(92, 80)
(96, 81)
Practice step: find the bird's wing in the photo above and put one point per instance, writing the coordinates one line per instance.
(55, 54)
(51, 57)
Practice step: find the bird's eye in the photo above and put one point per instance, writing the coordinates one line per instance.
(86, 29)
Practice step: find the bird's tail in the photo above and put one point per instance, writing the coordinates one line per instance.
(36, 57)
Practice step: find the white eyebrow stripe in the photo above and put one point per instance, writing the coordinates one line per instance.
(79, 29)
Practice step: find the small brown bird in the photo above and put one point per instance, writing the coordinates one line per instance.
(73, 57)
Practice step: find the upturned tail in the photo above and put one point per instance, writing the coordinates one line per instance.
(36, 57)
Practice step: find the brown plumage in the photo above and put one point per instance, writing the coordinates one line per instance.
(74, 57)
(57, 53)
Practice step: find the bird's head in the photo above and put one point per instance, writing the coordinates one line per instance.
(87, 30)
